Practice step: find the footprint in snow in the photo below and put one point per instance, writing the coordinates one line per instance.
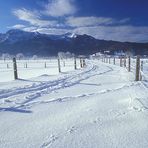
(139, 109)
(116, 113)
(33, 96)
(8, 101)
(50, 140)
(97, 121)
(71, 130)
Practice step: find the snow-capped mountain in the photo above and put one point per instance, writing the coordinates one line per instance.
(70, 35)
(16, 35)
(29, 43)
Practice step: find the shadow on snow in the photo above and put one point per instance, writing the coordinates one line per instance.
(13, 109)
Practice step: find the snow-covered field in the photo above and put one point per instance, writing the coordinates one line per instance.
(34, 68)
(99, 106)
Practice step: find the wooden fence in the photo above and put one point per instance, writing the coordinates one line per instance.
(77, 62)
(134, 65)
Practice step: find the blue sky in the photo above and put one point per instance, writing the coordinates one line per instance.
(121, 20)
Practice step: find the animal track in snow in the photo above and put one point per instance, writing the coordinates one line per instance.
(116, 113)
(50, 140)
(97, 121)
(71, 130)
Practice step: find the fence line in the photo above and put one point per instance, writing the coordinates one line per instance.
(132, 65)
(16, 66)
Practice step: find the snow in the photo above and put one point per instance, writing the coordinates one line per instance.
(97, 106)
(34, 68)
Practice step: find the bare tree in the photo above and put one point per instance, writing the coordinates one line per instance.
(5, 56)
(20, 56)
(61, 55)
(34, 57)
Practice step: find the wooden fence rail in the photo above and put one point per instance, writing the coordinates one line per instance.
(126, 63)
(14, 65)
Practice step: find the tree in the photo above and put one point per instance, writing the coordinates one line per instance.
(20, 56)
(5, 56)
(61, 55)
(69, 54)
(34, 57)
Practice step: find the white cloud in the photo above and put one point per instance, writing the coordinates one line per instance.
(33, 17)
(93, 21)
(30, 29)
(53, 31)
(123, 21)
(58, 8)
(17, 26)
(116, 33)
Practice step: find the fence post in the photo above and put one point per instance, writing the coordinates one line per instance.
(75, 63)
(129, 64)
(7, 65)
(137, 78)
(45, 65)
(25, 65)
(120, 61)
(125, 61)
(141, 65)
(81, 65)
(15, 69)
(114, 61)
(109, 60)
(84, 64)
(59, 66)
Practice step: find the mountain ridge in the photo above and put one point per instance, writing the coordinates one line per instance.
(29, 43)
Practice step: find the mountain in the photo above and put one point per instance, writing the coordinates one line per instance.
(30, 43)
(15, 35)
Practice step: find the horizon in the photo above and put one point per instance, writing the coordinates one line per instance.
(106, 20)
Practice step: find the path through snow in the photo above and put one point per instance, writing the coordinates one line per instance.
(99, 106)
